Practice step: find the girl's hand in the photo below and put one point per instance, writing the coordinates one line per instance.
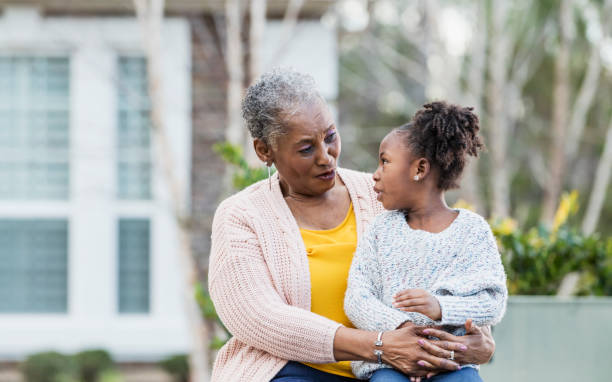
(418, 300)
(477, 340)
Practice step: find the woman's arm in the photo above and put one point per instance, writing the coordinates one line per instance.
(478, 340)
(242, 289)
(400, 349)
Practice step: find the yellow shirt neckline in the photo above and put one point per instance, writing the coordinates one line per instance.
(332, 230)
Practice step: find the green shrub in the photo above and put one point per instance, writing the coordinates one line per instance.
(91, 364)
(244, 175)
(110, 375)
(536, 261)
(177, 366)
(49, 367)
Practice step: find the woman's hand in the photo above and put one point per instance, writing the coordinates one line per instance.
(403, 351)
(418, 300)
(478, 341)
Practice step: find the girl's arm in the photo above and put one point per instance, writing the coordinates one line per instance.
(362, 302)
(475, 285)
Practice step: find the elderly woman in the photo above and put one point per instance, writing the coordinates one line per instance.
(282, 249)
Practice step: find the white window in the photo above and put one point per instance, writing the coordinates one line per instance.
(34, 165)
(133, 135)
(88, 243)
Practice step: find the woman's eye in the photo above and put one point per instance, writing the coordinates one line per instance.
(330, 138)
(306, 150)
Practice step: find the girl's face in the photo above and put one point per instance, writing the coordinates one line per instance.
(394, 178)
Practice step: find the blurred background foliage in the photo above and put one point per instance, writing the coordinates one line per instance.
(539, 75)
(95, 365)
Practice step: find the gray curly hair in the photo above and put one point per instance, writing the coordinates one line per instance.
(277, 95)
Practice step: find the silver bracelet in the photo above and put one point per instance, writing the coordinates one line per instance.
(378, 352)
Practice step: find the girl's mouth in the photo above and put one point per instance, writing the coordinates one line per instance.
(378, 194)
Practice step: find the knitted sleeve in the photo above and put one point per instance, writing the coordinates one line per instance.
(362, 301)
(474, 286)
(247, 303)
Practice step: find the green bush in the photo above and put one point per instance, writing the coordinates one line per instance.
(49, 367)
(91, 364)
(244, 174)
(207, 308)
(536, 261)
(177, 366)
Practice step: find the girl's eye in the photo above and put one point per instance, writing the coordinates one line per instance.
(306, 150)
(330, 138)
(383, 161)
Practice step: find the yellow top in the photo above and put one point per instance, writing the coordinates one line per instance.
(330, 253)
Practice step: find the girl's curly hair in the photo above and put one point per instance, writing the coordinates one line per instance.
(445, 134)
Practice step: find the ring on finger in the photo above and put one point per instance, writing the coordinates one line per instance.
(452, 355)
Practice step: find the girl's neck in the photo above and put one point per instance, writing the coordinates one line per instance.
(430, 214)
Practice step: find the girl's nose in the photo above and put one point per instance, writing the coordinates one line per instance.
(376, 175)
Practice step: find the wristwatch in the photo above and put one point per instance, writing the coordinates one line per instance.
(378, 352)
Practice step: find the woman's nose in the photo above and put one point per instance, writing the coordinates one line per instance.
(325, 157)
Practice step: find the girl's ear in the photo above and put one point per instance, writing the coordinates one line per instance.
(422, 167)
(263, 151)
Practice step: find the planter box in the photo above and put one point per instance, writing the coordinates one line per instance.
(544, 338)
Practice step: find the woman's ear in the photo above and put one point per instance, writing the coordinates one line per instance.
(263, 151)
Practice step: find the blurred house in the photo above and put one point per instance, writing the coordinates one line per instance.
(88, 241)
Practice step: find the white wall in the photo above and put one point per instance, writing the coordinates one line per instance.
(92, 320)
(311, 47)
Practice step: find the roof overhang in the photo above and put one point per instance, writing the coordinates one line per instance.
(276, 8)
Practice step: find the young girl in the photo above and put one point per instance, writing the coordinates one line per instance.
(421, 261)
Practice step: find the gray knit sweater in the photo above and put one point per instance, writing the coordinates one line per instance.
(460, 266)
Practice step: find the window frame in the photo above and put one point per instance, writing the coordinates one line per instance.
(93, 45)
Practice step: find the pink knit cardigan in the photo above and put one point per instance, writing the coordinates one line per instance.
(259, 281)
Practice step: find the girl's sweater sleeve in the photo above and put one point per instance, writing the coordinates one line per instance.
(362, 301)
(475, 284)
(248, 304)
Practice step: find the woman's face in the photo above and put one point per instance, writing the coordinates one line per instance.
(394, 177)
(306, 156)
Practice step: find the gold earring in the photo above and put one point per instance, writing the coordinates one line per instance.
(269, 177)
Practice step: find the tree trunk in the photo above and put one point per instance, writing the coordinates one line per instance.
(498, 133)
(150, 15)
(602, 179)
(588, 88)
(256, 35)
(235, 69)
(560, 114)
(470, 185)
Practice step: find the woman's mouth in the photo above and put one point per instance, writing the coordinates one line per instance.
(329, 175)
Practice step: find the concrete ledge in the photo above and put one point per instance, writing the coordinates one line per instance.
(544, 338)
